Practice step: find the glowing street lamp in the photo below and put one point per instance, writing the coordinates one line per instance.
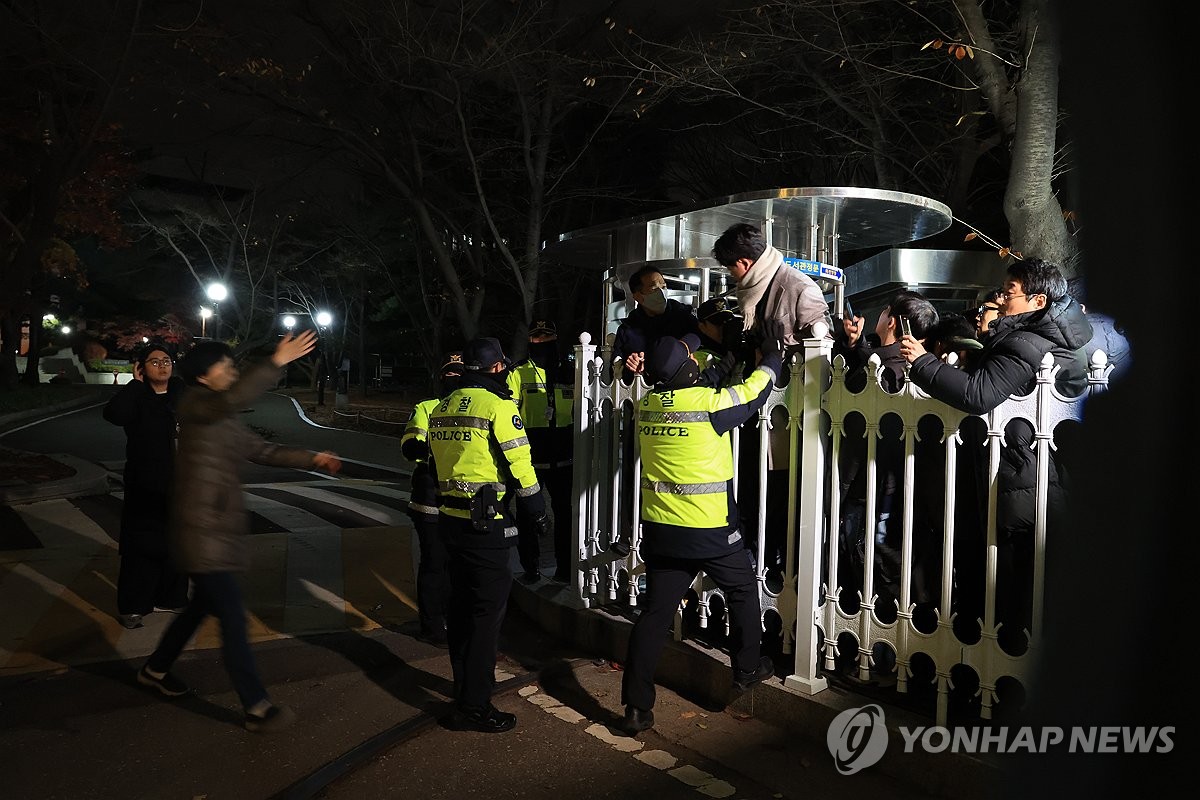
(205, 313)
(323, 319)
(217, 293)
(289, 323)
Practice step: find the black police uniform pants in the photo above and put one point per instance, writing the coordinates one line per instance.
(667, 581)
(480, 580)
(433, 586)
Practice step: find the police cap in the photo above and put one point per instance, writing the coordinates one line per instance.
(482, 353)
(452, 364)
(715, 310)
(667, 355)
(543, 327)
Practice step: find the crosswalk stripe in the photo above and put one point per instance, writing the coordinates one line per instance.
(315, 583)
(287, 516)
(385, 515)
(59, 524)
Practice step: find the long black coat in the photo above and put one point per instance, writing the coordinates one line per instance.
(150, 432)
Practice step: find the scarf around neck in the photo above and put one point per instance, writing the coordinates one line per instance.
(754, 284)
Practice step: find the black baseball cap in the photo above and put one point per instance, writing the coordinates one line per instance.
(669, 354)
(482, 353)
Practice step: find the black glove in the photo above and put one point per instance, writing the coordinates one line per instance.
(542, 525)
(415, 449)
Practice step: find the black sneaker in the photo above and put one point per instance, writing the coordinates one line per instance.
(636, 720)
(744, 680)
(530, 577)
(168, 684)
(131, 621)
(484, 720)
(275, 718)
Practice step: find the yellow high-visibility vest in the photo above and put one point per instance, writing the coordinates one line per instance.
(478, 439)
(686, 464)
(418, 424)
(531, 390)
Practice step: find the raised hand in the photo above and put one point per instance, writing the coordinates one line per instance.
(911, 349)
(292, 347)
(852, 327)
(327, 461)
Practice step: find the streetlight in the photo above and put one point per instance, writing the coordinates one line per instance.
(289, 322)
(323, 319)
(217, 292)
(205, 313)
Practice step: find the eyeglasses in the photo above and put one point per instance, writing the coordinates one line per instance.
(159, 362)
(983, 309)
(1010, 296)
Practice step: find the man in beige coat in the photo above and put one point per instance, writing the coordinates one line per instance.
(209, 522)
(783, 305)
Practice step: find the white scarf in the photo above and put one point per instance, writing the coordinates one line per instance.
(754, 284)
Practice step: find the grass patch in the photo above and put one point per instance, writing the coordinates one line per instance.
(24, 398)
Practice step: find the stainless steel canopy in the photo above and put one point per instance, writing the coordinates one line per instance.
(810, 223)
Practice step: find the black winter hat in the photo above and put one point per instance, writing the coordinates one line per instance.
(482, 353)
(667, 356)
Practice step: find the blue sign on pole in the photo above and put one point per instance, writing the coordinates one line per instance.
(815, 269)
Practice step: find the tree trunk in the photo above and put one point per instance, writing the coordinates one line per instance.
(1035, 218)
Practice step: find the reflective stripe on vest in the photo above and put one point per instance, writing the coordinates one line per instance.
(417, 426)
(477, 440)
(686, 464)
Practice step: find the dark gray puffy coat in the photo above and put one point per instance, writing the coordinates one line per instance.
(208, 517)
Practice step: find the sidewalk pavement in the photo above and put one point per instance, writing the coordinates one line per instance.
(330, 621)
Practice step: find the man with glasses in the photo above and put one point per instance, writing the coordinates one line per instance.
(988, 311)
(145, 408)
(1039, 318)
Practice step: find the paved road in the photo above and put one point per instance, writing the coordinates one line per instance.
(84, 433)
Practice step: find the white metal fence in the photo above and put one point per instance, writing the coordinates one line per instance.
(817, 404)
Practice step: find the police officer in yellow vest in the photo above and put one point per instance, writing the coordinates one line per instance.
(543, 386)
(433, 585)
(689, 518)
(478, 445)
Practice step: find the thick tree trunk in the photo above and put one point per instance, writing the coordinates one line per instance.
(1035, 218)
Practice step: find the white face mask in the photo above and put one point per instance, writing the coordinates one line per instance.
(655, 300)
